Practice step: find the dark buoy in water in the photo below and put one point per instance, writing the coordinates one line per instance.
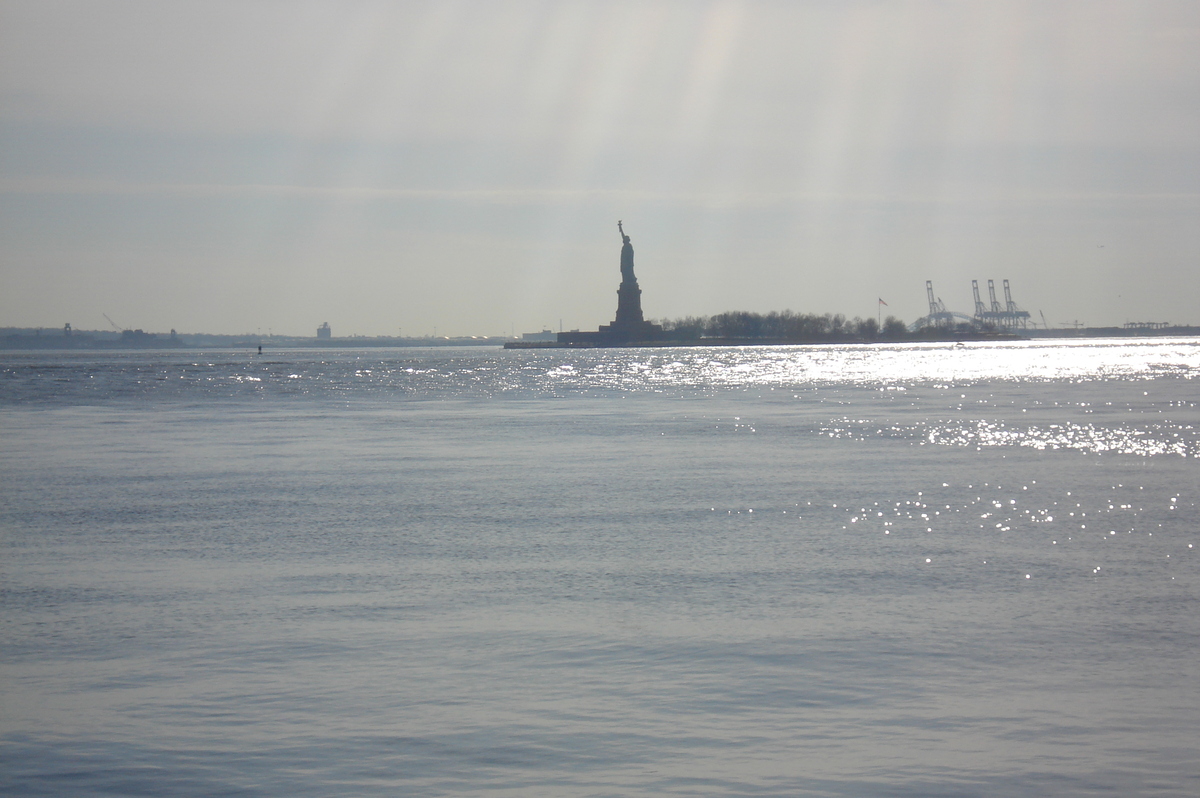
(260, 349)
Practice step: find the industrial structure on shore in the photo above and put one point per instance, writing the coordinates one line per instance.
(1008, 317)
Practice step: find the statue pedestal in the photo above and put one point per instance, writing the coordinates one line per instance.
(629, 304)
(630, 325)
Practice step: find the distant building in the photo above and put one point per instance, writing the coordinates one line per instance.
(323, 331)
(544, 335)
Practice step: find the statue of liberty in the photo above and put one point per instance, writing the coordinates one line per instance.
(630, 327)
(627, 277)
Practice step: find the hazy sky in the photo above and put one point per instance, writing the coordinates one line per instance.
(387, 167)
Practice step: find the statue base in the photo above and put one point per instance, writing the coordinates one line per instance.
(629, 305)
(614, 335)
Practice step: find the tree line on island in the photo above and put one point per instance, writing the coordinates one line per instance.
(784, 326)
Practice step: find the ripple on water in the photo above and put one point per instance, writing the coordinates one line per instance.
(1163, 438)
(439, 373)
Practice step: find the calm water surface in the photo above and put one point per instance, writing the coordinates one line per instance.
(829, 571)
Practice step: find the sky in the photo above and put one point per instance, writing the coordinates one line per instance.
(458, 168)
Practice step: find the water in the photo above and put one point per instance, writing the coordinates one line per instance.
(830, 571)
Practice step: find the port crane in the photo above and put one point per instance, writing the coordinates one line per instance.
(1015, 316)
(989, 315)
(1008, 316)
(938, 315)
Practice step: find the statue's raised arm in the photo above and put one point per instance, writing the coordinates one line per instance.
(621, 230)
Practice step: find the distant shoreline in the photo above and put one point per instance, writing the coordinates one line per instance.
(55, 340)
(931, 336)
(85, 342)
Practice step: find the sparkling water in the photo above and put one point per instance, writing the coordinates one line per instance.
(833, 571)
